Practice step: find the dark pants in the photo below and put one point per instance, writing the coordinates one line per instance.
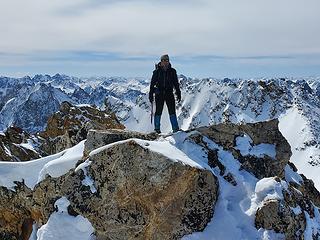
(170, 101)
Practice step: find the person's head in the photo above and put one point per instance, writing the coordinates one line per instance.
(164, 61)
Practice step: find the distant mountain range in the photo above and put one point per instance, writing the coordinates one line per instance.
(28, 102)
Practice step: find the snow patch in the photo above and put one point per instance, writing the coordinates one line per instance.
(63, 226)
(246, 147)
(87, 181)
(63, 164)
(266, 189)
(34, 171)
(292, 176)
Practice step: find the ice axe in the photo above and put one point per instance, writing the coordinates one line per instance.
(151, 114)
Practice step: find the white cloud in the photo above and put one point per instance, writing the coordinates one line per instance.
(36, 33)
(228, 28)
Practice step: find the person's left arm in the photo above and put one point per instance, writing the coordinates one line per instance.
(176, 85)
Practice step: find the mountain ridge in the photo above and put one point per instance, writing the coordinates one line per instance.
(207, 101)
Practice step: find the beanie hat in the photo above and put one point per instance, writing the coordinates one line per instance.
(164, 57)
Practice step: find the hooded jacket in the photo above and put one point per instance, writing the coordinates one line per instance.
(163, 82)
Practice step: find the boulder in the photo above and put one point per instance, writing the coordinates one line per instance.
(135, 193)
(225, 134)
(277, 215)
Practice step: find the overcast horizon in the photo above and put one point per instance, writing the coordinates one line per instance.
(242, 39)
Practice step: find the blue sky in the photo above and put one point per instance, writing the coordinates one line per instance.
(204, 38)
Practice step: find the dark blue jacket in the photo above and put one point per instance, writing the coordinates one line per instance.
(163, 82)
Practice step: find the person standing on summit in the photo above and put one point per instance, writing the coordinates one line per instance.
(163, 80)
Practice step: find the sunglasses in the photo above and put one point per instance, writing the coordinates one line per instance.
(164, 60)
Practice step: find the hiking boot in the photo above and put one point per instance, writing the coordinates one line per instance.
(157, 131)
(176, 130)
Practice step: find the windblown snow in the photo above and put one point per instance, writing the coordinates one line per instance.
(34, 171)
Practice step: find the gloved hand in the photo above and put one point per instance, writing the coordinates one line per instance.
(179, 96)
(151, 98)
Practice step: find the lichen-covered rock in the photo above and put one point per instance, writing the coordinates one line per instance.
(135, 194)
(278, 216)
(13, 146)
(225, 134)
(71, 124)
(149, 196)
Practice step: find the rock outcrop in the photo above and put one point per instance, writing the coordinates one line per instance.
(226, 134)
(16, 145)
(278, 216)
(136, 193)
(288, 215)
(70, 125)
(65, 129)
(128, 189)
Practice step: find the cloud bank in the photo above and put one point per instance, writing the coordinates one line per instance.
(106, 35)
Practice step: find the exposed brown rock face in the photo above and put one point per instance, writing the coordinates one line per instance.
(71, 124)
(139, 194)
(17, 213)
(225, 134)
(11, 148)
(149, 196)
(65, 129)
(276, 215)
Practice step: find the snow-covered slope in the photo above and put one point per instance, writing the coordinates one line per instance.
(31, 106)
(32, 172)
(28, 102)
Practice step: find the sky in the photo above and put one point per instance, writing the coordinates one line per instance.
(204, 38)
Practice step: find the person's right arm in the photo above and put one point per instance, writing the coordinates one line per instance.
(152, 84)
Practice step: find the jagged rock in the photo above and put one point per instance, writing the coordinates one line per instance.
(225, 134)
(136, 194)
(287, 215)
(15, 134)
(309, 190)
(16, 213)
(71, 124)
(303, 196)
(276, 215)
(132, 192)
(12, 148)
(165, 200)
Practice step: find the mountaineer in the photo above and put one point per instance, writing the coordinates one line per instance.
(164, 79)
